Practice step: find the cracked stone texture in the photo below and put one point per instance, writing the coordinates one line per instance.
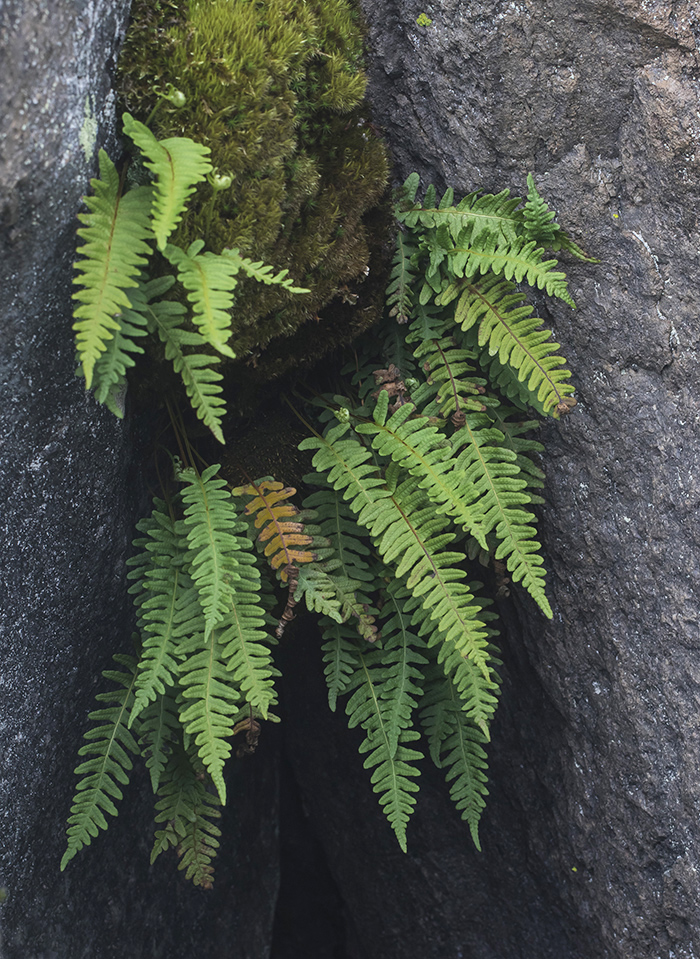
(70, 495)
(591, 838)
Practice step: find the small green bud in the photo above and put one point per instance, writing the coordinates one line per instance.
(342, 415)
(220, 181)
(176, 97)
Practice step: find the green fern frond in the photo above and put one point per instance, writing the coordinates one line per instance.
(506, 326)
(178, 164)
(539, 224)
(185, 810)
(202, 383)
(399, 295)
(519, 260)
(111, 366)
(423, 451)
(261, 272)
(210, 701)
(213, 537)
(160, 577)
(340, 657)
(390, 758)
(500, 499)
(109, 745)
(113, 252)
(453, 384)
(403, 659)
(455, 743)
(476, 213)
(159, 727)
(538, 220)
(409, 533)
(209, 280)
(245, 640)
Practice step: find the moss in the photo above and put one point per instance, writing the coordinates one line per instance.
(275, 89)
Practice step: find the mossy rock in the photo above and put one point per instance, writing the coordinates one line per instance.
(275, 89)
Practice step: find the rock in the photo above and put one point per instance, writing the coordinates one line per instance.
(590, 839)
(70, 489)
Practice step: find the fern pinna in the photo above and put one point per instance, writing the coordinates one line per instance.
(421, 466)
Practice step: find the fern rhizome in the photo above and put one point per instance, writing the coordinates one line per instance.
(421, 465)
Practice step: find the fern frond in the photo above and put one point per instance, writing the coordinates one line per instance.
(519, 260)
(209, 280)
(408, 532)
(455, 743)
(160, 579)
(506, 326)
(202, 383)
(538, 220)
(399, 295)
(402, 659)
(476, 213)
(390, 758)
(340, 657)
(113, 252)
(278, 520)
(347, 558)
(178, 164)
(452, 382)
(210, 701)
(261, 272)
(111, 366)
(213, 540)
(335, 597)
(109, 745)
(245, 640)
(159, 726)
(185, 809)
(500, 500)
(423, 451)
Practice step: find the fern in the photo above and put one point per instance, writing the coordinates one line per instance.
(109, 745)
(178, 164)
(244, 640)
(281, 531)
(210, 701)
(115, 250)
(390, 757)
(457, 744)
(202, 383)
(160, 579)
(213, 541)
(423, 460)
(209, 280)
(185, 808)
(508, 329)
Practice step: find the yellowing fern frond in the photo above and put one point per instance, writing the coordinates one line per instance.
(280, 530)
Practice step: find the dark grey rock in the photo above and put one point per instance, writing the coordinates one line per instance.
(70, 494)
(591, 838)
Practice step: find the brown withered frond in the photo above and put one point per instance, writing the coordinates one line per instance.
(280, 531)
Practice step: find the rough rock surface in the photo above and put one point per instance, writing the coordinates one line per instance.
(591, 844)
(69, 500)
